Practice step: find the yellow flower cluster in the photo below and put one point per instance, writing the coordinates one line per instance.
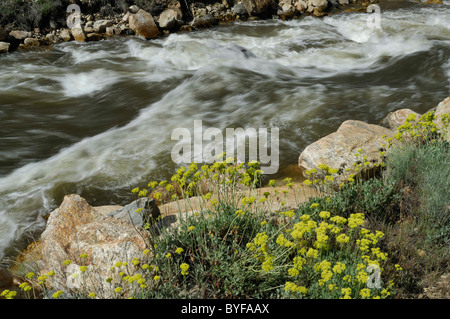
(318, 246)
(292, 287)
(355, 220)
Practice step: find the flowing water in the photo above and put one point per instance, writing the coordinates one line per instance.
(96, 118)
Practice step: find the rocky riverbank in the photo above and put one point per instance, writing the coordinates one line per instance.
(109, 233)
(149, 19)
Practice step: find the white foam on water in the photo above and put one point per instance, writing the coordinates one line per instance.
(80, 52)
(84, 83)
(118, 157)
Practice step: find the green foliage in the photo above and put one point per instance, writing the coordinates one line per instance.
(425, 169)
(213, 244)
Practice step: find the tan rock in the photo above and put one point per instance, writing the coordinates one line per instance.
(337, 149)
(143, 24)
(441, 109)
(76, 228)
(113, 31)
(317, 6)
(78, 34)
(394, 119)
(20, 35)
(168, 18)
(66, 35)
(4, 47)
(31, 42)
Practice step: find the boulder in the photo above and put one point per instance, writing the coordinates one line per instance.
(20, 35)
(31, 42)
(93, 36)
(52, 38)
(337, 150)
(317, 7)
(286, 6)
(143, 24)
(239, 9)
(4, 47)
(169, 17)
(301, 6)
(150, 212)
(66, 35)
(394, 119)
(76, 228)
(134, 9)
(257, 7)
(113, 31)
(78, 34)
(126, 17)
(206, 21)
(443, 108)
(101, 25)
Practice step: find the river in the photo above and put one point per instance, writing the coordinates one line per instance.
(96, 118)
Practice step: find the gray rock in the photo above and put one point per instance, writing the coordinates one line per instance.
(150, 212)
(206, 21)
(101, 25)
(168, 19)
(239, 9)
(133, 9)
